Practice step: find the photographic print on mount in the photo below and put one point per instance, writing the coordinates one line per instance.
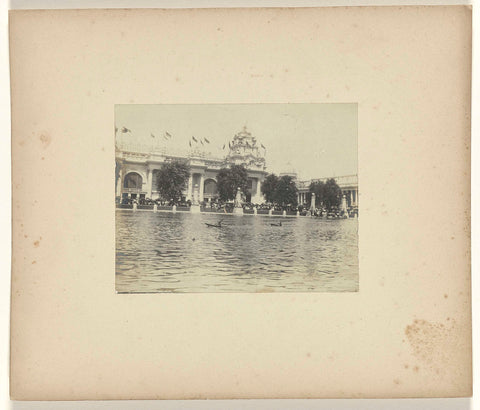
(236, 198)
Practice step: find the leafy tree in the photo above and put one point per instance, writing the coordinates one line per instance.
(172, 179)
(285, 191)
(229, 179)
(332, 196)
(269, 186)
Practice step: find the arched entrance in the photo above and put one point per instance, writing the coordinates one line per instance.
(132, 180)
(210, 190)
(132, 186)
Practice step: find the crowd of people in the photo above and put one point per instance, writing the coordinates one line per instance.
(221, 206)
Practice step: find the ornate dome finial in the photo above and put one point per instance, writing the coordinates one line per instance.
(245, 151)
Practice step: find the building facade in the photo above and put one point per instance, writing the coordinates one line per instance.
(137, 168)
(137, 171)
(347, 183)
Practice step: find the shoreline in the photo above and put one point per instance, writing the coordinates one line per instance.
(226, 214)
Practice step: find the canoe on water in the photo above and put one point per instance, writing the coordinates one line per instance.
(217, 225)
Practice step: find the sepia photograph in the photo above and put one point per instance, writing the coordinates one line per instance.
(241, 203)
(236, 198)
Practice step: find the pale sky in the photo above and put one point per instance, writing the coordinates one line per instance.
(317, 140)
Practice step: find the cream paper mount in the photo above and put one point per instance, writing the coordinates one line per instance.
(405, 333)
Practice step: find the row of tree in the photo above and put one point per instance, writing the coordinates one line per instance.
(172, 180)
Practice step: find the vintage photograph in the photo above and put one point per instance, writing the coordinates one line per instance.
(236, 198)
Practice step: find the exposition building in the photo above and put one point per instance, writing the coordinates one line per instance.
(137, 166)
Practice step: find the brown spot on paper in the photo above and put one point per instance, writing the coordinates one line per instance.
(431, 343)
(45, 139)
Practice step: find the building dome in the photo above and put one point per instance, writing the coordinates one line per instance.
(289, 170)
(245, 150)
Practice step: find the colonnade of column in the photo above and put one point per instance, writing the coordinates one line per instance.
(351, 195)
(301, 198)
(199, 178)
(191, 186)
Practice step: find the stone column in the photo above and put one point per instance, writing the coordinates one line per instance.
(188, 197)
(149, 183)
(201, 187)
(344, 203)
(351, 198)
(312, 206)
(119, 184)
(121, 174)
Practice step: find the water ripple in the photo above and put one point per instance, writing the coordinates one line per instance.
(166, 252)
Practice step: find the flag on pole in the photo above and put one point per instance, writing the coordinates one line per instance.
(167, 134)
(165, 137)
(125, 130)
(201, 142)
(193, 138)
(207, 141)
(263, 146)
(223, 146)
(190, 143)
(151, 134)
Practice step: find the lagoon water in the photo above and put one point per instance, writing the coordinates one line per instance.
(177, 252)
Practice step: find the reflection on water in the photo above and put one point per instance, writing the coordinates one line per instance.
(177, 252)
